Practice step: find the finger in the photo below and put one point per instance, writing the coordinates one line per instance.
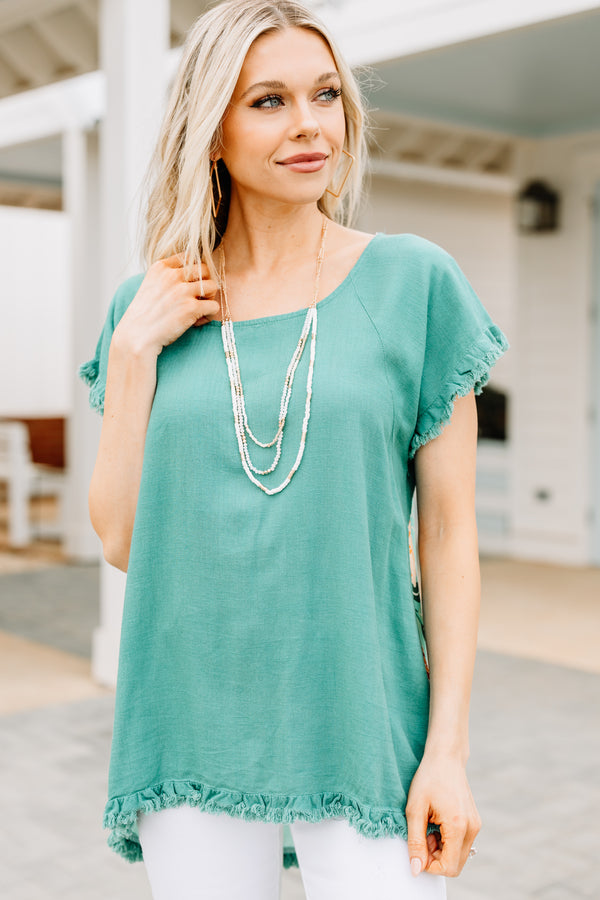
(418, 851)
(468, 843)
(205, 288)
(199, 289)
(208, 307)
(433, 845)
(448, 862)
(177, 261)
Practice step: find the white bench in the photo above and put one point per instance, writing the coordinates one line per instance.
(26, 479)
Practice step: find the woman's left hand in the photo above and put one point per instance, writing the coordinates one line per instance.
(440, 793)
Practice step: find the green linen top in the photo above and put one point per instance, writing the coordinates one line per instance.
(272, 659)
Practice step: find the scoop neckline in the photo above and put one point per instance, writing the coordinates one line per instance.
(295, 313)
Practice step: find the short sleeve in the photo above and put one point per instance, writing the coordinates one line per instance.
(93, 372)
(461, 346)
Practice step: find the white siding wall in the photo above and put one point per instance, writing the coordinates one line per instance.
(35, 358)
(553, 466)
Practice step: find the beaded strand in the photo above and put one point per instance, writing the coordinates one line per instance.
(237, 393)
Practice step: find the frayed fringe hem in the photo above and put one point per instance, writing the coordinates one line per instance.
(474, 379)
(120, 814)
(89, 372)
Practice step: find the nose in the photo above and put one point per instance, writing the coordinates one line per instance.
(305, 122)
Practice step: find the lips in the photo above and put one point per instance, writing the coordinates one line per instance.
(303, 158)
(304, 162)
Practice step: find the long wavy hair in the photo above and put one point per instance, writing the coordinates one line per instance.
(178, 181)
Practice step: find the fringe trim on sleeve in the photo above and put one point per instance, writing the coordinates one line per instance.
(89, 372)
(473, 374)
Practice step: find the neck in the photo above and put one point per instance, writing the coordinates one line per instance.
(262, 240)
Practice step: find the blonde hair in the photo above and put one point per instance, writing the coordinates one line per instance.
(179, 217)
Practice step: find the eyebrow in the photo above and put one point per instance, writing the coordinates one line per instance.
(281, 86)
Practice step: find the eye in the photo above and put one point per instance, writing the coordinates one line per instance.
(260, 104)
(330, 94)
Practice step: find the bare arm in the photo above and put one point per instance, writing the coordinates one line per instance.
(164, 307)
(448, 553)
(130, 384)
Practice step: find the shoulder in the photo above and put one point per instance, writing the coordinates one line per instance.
(124, 294)
(413, 248)
(405, 263)
(402, 249)
(410, 282)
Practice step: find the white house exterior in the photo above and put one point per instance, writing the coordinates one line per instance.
(474, 99)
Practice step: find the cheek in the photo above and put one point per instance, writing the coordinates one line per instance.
(341, 126)
(334, 128)
(247, 144)
(258, 163)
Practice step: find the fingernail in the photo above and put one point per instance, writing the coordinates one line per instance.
(415, 865)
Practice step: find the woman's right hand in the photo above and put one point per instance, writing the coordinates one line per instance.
(165, 306)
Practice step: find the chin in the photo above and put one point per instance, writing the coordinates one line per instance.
(306, 196)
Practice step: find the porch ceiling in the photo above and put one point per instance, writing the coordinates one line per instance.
(43, 41)
(536, 81)
(459, 106)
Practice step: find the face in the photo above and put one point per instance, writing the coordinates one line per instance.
(284, 129)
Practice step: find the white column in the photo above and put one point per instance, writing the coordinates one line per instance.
(15, 444)
(134, 41)
(81, 202)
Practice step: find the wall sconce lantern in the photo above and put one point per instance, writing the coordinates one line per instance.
(538, 208)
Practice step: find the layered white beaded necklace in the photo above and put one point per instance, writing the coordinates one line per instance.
(237, 393)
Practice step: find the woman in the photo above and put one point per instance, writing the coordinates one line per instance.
(273, 665)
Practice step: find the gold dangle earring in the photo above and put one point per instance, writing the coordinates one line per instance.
(215, 171)
(345, 179)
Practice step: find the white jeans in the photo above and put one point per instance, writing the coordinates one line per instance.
(191, 854)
